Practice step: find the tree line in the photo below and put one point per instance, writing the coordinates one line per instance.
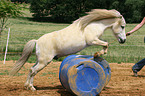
(70, 10)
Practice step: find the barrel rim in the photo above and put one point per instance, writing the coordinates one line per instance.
(97, 68)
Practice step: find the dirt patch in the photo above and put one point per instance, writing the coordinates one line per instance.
(47, 82)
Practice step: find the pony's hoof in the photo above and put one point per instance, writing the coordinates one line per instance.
(32, 88)
(26, 86)
(29, 87)
(97, 54)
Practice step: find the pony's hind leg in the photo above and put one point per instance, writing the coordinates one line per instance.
(33, 71)
(26, 85)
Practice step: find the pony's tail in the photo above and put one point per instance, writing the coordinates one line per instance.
(27, 51)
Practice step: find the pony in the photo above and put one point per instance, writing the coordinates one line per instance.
(82, 33)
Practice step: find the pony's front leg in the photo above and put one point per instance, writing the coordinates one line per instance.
(101, 43)
(103, 51)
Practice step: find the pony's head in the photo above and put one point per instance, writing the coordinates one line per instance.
(119, 29)
(99, 14)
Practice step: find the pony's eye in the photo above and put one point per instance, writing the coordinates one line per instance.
(122, 27)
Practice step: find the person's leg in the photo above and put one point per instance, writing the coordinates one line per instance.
(138, 66)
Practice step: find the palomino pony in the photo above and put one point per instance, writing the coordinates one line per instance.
(83, 32)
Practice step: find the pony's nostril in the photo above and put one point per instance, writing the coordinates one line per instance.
(121, 41)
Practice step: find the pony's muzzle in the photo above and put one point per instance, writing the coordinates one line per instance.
(121, 41)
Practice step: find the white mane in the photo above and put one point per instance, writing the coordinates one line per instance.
(97, 14)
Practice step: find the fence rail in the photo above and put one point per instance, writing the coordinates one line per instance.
(131, 51)
(19, 38)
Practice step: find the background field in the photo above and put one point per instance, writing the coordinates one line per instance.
(24, 29)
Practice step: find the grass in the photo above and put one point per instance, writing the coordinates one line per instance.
(23, 30)
(49, 73)
(6, 72)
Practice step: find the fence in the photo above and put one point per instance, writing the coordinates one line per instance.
(17, 40)
(134, 47)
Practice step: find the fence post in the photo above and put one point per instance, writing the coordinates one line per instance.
(6, 46)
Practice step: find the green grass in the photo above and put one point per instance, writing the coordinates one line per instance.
(4, 72)
(23, 30)
(49, 73)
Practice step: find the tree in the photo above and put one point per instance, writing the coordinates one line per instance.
(70, 10)
(63, 10)
(134, 13)
(8, 9)
(21, 1)
(132, 10)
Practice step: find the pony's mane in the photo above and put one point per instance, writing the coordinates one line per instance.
(97, 14)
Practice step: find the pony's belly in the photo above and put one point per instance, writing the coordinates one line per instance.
(70, 50)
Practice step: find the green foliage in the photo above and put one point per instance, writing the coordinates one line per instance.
(63, 10)
(130, 9)
(21, 1)
(133, 10)
(70, 10)
(8, 9)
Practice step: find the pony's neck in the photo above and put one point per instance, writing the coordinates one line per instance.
(107, 23)
(98, 27)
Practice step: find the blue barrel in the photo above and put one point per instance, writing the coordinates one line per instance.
(83, 75)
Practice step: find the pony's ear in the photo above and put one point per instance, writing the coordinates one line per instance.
(119, 21)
